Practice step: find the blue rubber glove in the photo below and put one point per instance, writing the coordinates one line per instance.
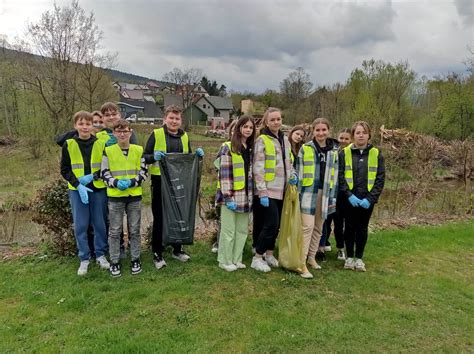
(124, 184)
(264, 201)
(83, 193)
(364, 203)
(159, 155)
(112, 140)
(293, 179)
(85, 180)
(231, 206)
(200, 152)
(355, 202)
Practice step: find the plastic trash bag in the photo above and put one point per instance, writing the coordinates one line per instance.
(180, 181)
(290, 237)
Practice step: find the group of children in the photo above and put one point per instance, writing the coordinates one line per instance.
(105, 170)
(338, 181)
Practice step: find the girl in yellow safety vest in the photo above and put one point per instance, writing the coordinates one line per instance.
(317, 168)
(296, 137)
(361, 179)
(235, 194)
(272, 170)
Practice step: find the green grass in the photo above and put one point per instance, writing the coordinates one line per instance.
(416, 296)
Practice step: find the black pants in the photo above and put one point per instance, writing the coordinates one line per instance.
(338, 219)
(257, 210)
(269, 217)
(157, 211)
(356, 232)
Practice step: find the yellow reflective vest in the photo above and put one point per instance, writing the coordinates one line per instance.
(103, 135)
(309, 167)
(270, 157)
(238, 171)
(372, 165)
(160, 145)
(77, 162)
(124, 167)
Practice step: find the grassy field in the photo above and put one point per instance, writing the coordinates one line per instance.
(416, 296)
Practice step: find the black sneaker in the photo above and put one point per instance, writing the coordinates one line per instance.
(320, 256)
(115, 270)
(136, 266)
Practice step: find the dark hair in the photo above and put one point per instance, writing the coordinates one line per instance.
(321, 121)
(231, 128)
(236, 140)
(108, 106)
(97, 113)
(87, 116)
(172, 109)
(122, 124)
(295, 147)
(364, 125)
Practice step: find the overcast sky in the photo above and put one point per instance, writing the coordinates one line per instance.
(253, 45)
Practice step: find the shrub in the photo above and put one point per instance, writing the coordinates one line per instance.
(52, 210)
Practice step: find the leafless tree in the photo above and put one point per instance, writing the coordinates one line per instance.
(185, 82)
(297, 85)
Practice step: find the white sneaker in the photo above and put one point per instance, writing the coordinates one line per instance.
(313, 264)
(272, 261)
(259, 264)
(215, 247)
(228, 267)
(102, 262)
(83, 268)
(359, 265)
(240, 265)
(306, 275)
(341, 254)
(349, 264)
(327, 248)
(181, 256)
(158, 261)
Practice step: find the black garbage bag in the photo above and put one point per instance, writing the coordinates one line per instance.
(180, 181)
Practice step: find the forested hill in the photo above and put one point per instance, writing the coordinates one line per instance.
(115, 75)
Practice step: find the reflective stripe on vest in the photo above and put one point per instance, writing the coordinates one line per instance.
(308, 166)
(372, 165)
(270, 158)
(238, 171)
(124, 167)
(77, 162)
(160, 145)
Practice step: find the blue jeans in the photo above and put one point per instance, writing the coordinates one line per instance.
(117, 210)
(94, 213)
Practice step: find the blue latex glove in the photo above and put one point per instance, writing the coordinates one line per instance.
(85, 180)
(364, 203)
(112, 140)
(355, 202)
(124, 184)
(200, 152)
(264, 201)
(159, 155)
(83, 193)
(293, 179)
(231, 206)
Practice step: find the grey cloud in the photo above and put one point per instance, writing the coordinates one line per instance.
(465, 10)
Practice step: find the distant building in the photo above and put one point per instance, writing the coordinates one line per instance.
(140, 108)
(133, 94)
(209, 108)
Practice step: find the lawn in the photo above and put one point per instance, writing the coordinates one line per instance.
(417, 296)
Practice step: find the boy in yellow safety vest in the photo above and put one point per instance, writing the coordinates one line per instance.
(168, 139)
(80, 167)
(124, 170)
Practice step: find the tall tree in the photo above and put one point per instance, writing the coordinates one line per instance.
(297, 85)
(185, 82)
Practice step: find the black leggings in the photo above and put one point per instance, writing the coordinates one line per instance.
(356, 232)
(268, 221)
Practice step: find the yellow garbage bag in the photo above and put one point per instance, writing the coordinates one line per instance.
(290, 244)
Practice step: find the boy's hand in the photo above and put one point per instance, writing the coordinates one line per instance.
(365, 203)
(83, 193)
(124, 184)
(200, 152)
(85, 180)
(355, 202)
(158, 155)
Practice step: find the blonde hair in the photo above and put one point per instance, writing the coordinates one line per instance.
(266, 114)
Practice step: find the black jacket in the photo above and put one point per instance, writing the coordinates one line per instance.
(360, 171)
